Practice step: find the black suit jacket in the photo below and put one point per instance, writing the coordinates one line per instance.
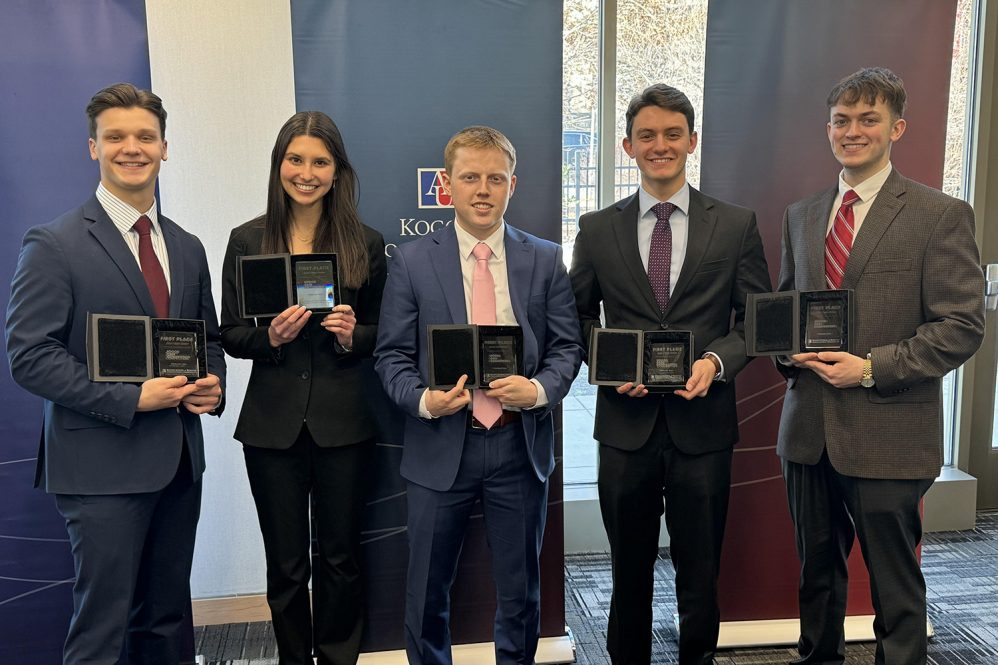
(307, 379)
(724, 262)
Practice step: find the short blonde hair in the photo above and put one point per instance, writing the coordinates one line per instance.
(480, 137)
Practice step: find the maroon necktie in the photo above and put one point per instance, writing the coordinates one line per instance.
(660, 254)
(838, 242)
(152, 270)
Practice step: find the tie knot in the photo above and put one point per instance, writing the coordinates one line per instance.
(143, 225)
(482, 252)
(850, 197)
(663, 211)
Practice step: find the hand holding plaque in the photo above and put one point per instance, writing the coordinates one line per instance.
(136, 348)
(270, 283)
(791, 322)
(483, 353)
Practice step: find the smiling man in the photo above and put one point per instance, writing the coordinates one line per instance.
(123, 460)
(667, 258)
(496, 447)
(861, 434)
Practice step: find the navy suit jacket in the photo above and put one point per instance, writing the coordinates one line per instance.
(425, 287)
(94, 441)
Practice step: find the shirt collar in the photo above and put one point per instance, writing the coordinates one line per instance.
(466, 242)
(122, 214)
(870, 187)
(680, 199)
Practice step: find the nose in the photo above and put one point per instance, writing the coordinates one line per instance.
(131, 144)
(853, 128)
(306, 172)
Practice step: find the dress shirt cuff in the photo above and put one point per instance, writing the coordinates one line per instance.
(423, 411)
(720, 363)
(542, 397)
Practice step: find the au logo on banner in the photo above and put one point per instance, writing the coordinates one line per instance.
(431, 189)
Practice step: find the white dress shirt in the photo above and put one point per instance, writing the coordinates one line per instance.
(866, 191)
(124, 217)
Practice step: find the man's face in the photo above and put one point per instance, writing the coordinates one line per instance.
(861, 136)
(659, 143)
(129, 148)
(480, 182)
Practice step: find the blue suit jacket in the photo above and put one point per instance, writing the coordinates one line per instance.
(94, 442)
(425, 288)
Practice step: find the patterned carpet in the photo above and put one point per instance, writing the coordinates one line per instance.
(961, 573)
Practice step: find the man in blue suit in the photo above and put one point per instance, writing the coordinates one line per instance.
(499, 451)
(123, 460)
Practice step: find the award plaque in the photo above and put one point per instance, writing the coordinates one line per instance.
(500, 352)
(316, 281)
(134, 349)
(484, 353)
(659, 359)
(451, 353)
(791, 322)
(667, 359)
(264, 284)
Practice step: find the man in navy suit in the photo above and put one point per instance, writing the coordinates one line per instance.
(500, 450)
(123, 460)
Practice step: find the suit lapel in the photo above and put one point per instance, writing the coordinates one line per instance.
(881, 215)
(625, 227)
(701, 221)
(446, 260)
(109, 237)
(815, 229)
(171, 236)
(519, 270)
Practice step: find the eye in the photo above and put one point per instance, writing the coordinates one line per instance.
(294, 159)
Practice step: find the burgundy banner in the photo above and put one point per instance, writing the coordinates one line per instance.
(770, 65)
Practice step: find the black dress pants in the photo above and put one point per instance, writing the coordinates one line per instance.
(632, 486)
(284, 483)
(825, 505)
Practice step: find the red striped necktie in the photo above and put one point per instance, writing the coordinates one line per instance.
(838, 242)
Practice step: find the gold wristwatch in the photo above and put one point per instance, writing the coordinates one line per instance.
(867, 380)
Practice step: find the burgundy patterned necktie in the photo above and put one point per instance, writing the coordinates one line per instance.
(660, 254)
(152, 269)
(838, 242)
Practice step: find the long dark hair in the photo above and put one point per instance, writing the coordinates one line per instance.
(339, 227)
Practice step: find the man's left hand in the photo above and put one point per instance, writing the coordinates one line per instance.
(514, 390)
(206, 397)
(838, 368)
(701, 376)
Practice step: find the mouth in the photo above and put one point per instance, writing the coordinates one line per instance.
(481, 205)
(307, 189)
(661, 160)
(853, 147)
(132, 165)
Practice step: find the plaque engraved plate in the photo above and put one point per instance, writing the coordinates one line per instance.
(177, 354)
(664, 363)
(824, 325)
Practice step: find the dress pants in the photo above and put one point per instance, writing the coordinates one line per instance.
(284, 484)
(825, 505)
(132, 555)
(632, 485)
(495, 470)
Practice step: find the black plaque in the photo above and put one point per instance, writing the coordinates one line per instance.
(133, 349)
(452, 352)
(614, 356)
(316, 281)
(500, 352)
(657, 359)
(264, 285)
(824, 321)
(775, 319)
(667, 359)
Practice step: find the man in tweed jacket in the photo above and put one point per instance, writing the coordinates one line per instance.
(861, 435)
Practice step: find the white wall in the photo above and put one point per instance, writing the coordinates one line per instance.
(224, 70)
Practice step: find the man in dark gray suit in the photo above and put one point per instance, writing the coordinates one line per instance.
(861, 435)
(675, 445)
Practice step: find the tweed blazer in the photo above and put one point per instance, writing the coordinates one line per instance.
(915, 269)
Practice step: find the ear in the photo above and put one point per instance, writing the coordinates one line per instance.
(93, 149)
(693, 143)
(165, 152)
(628, 148)
(512, 185)
(445, 181)
(898, 129)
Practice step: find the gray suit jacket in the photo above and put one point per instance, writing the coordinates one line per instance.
(919, 288)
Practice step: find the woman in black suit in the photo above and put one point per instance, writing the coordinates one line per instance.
(305, 426)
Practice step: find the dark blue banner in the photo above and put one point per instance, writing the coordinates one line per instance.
(53, 56)
(399, 78)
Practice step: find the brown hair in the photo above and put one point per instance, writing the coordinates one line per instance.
(663, 96)
(340, 229)
(125, 95)
(871, 84)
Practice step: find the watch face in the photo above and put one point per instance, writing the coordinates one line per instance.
(867, 382)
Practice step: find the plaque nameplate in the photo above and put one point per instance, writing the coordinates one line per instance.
(134, 349)
(483, 353)
(270, 283)
(658, 359)
(791, 322)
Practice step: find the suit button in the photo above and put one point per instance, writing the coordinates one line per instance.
(664, 326)
(304, 375)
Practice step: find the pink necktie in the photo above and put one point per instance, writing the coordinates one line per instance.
(152, 269)
(838, 242)
(486, 410)
(660, 254)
